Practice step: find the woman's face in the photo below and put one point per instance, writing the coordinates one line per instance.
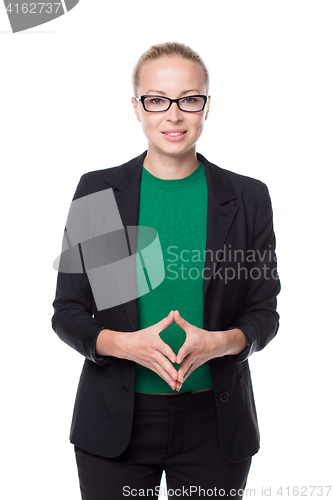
(171, 77)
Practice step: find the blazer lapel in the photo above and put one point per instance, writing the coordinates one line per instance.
(220, 213)
(125, 182)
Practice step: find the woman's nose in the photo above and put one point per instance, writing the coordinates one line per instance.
(174, 112)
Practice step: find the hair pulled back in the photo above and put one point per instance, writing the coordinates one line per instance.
(167, 49)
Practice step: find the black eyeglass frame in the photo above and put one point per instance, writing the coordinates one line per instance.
(143, 97)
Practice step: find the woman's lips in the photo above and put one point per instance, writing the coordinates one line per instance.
(174, 135)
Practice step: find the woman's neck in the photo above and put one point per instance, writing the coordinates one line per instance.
(170, 167)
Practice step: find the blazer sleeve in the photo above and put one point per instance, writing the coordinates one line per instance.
(259, 320)
(73, 318)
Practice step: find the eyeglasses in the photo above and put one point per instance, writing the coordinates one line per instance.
(159, 104)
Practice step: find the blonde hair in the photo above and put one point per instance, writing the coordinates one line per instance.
(167, 49)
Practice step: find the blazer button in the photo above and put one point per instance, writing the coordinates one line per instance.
(224, 396)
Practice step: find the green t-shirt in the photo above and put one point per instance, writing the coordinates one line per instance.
(177, 210)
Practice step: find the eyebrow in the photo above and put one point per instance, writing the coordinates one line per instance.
(160, 92)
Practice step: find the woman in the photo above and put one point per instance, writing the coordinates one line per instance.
(166, 383)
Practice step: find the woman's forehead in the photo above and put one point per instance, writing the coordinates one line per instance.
(171, 73)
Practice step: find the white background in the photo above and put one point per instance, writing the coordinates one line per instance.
(66, 109)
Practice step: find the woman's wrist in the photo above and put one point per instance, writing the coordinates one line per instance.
(108, 342)
(230, 342)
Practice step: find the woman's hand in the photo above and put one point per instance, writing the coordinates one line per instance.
(202, 345)
(148, 349)
(144, 347)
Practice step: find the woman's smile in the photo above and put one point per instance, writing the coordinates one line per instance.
(174, 134)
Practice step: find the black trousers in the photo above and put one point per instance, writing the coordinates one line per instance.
(177, 434)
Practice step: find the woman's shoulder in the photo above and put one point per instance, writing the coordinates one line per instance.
(240, 183)
(113, 171)
(112, 177)
(246, 186)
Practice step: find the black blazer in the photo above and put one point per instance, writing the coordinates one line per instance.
(239, 217)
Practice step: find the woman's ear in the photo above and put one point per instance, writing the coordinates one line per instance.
(135, 106)
(207, 108)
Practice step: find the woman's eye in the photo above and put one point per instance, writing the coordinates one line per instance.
(190, 100)
(155, 101)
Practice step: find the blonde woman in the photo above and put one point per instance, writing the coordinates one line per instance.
(166, 384)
